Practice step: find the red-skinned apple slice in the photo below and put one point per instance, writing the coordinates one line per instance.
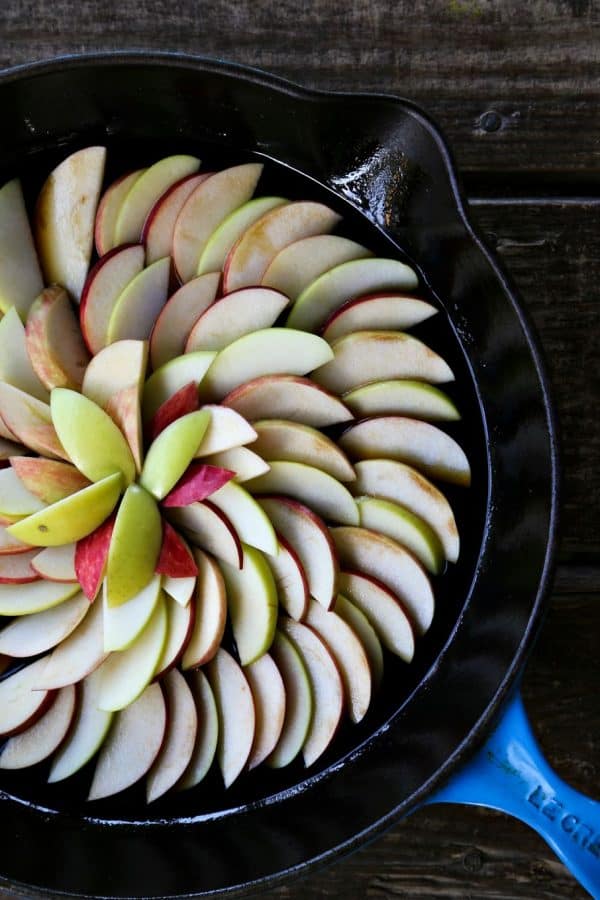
(178, 315)
(268, 693)
(251, 255)
(210, 604)
(15, 500)
(227, 429)
(20, 704)
(16, 568)
(170, 378)
(197, 483)
(216, 249)
(293, 442)
(91, 554)
(140, 303)
(41, 739)
(48, 479)
(15, 365)
(64, 219)
(54, 343)
(326, 687)
(10, 545)
(401, 398)
(20, 275)
(132, 745)
(180, 404)
(207, 733)
(309, 537)
(86, 735)
(247, 517)
(180, 737)
(180, 621)
(287, 397)
(383, 610)
(56, 563)
(310, 486)
(105, 283)
(364, 631)
(300, 263)
(234, 315)
(376, 312)
(109, 209)
(157, 233)
(175, 559)
(290, 580)
(147, 190)
(38, 632)
(77, 656)
(410, 441)
(252, 604)
(237, 719)
(35, 597)
(298, 702)
(205, 209)
(384, 559)
(209, 528)
(351, 279)
(29, 421)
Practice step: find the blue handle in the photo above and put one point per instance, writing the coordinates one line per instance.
(510, 774)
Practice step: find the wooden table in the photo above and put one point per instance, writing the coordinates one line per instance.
(515, 87)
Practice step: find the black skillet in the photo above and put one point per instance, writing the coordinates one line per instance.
(383, 164)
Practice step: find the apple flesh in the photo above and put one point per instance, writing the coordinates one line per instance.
(293, 442)
(210, 603)
(298, 702)
(15, 365)
(180, 621)
(268, 693)
(178, 316)
(77, 656)
(287, 397)
(207, 733)
(54, 343)
(383, 610)
(138, 306)
(310, 486)
(403, 526)
(303, 261)
(157, 233)
(171, 453)
(240, 460)
(181, 590)
(209, 527)
(15, 500)
(109, 209)
(104, 285)
(235, 708)
(42, 738)
(227, 429)
(290, 580)
(134, 546)
(170, 378)
(377, 312)
(17, 569)
(234, 315)
(364, 631)
(246, 516)
(36, 633)
(20, 275)
(402, 398)
(216, 249)
(123, 624)
(35, 597)
(180, 737)
(49, 480)
(56, 563)
(20, 704)
(29, 421)
(10, 545)
(252, 604)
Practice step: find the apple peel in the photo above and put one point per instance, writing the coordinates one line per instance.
(175, 560)
(198, 483)
(90, 558)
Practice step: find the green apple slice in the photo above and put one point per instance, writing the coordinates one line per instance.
(383, 610)
(402, 484)
(35, 597)
(109, 209)
(403, 526)
(105, 284)
(90, 437)
(287, 397)
(54, 343)
(368, 356)
(290, 581)
(234, 315)
(122, 624)
(178, 745)
(70, 519)
(235, 708)
(172, 451)
(86, 735)
(252, 604)
(240, 460)
(362, 628)
(125, 674)
(266, 352)
(29, 421)
(34, 634)
(377, 312)
(15, 365)
(293, 442)
(298, 702)
(15, 499)
(246, 516)
(20, 275)
(171, 377)
(216, 249)
(140, 303)
(180, 620)
(227, 429)
(411, 441)
(20, 705)
(301, 263)
(134, 546)
(268, 693)
(402, 398)
(178, 315)
(181, 590)
(43, 737)
(78, 655)
(207, 734)
(310, 486)
(210, 604)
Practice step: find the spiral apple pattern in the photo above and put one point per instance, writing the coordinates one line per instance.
(216, 506)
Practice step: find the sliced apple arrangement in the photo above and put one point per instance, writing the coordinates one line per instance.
(191, 567)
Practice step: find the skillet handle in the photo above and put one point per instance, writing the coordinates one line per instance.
(510, 774)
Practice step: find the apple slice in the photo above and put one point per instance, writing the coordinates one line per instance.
(268, 693)
(54, 343)
(10, 448)
(208, 527)
(140, 303)
(90, 727)
(310, 486)
(300, 263)
(364, 631)
(252, 254)
(109, 209)
(126, 674)
(287, 397)
(298, 702)
(132, 745)
(20, 704)
(411, 441)
(105, 284)
(351, 279)
(180, 621)
(180, 404)
(234, 315)
(181, 590)
(240, 460)
(38, 632)
(376, 312)
(383, 610)
(216, 249)
(41, 739)
(171, 453)
(237, 718)
(368, 356)
(134, 546)
(246, 516)
(56, 563)
(157, 233)
(174, 375)
(388, 562)
(310, 539)
(207, 733)
(177, 317)
(252, 604)
(29, 421)
(78, 655)
(402, 484)
(35, 597)
(65, 216)
(90, 437)
(123, 624)
(265, 352)
(197, 483)
(210, 605)
(180, 737)
(20, 276)
(145, 192)
(175, 559)
(205, 209)
(91, 555)
(290, 580)
(293, 442)
(48, 479)
(402, 398)
(70, 519)
(403, 526)
(349, 655)
(326, 688)
(15, 365)
(227, 429)
(10, 545)
(15, 500)
(16, 568)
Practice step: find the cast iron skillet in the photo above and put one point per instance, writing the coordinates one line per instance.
(383, 164)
